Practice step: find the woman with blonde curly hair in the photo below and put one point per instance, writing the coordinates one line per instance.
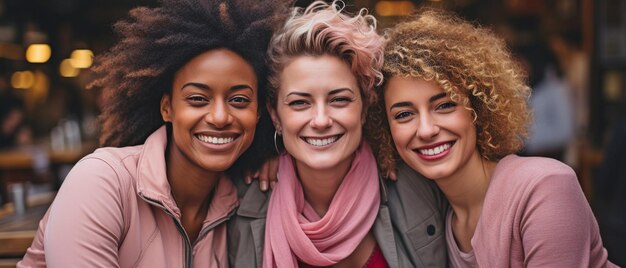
(456, 107)
(329, 207)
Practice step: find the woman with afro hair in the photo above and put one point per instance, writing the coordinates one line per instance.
(183, 91)
(455, 105)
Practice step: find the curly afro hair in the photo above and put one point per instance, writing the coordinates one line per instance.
(469, 63)
(156, 42)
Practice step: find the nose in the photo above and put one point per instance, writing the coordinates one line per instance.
(218, 114)
(427, 127)
(321, 118)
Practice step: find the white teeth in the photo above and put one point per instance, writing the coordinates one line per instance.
(215, 140)
(437, 150)
(321, 142)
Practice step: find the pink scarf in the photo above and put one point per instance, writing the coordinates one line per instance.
(295, 232)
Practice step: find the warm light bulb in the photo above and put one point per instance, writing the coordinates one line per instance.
(23, 80)
(38, 53)
(81, 58)
(67, 70)
(394, 8)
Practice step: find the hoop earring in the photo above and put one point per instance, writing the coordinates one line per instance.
(276, 141)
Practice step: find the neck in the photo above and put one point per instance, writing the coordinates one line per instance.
(466, 188)
(320, 186)
(191, 185)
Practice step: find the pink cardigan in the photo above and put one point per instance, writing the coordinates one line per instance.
(115, 210)
(535, 215)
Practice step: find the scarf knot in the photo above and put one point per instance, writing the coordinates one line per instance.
(295, 232)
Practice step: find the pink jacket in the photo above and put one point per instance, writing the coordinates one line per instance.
(115, 209)
(535, 215)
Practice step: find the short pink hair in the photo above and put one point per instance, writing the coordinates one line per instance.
(322, 29)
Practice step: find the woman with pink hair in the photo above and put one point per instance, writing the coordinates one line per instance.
(329, 206)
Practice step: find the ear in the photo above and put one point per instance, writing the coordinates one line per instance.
(166, 108)
(274, 116)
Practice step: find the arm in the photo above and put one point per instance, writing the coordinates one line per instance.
(85, 223)
(558, 228)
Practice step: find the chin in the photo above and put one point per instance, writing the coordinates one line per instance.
(321, 163)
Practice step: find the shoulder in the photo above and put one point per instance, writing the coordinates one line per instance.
(114, 156)
(416, 209)
(252, 202)
(106, 168)
(246, 229)
(410, 183)
(531, 184)
(531, 171)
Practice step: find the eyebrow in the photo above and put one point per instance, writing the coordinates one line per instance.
(438, 96)
(207, 87)
(332, 92)
(407, 104)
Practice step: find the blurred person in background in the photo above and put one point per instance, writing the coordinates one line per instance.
(15, 130)
(552, 128)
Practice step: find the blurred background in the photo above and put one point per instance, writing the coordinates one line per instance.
(574, 52)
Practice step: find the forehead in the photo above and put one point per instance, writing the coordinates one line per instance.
(317, 74)
(410, 89)
(217, 66)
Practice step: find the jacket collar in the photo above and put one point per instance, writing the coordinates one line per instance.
(152, 172)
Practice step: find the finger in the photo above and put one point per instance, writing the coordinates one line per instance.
(273, 171)
(247, 178)
(393, 176)
(263, 176)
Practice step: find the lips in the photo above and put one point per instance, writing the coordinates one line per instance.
(215, 139)
(434, 151)
(321, 141)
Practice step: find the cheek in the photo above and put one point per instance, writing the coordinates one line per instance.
(248, 119)
(291, 121)
(401, 134)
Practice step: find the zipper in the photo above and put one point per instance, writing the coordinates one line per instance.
(209, 227)
(188, 254)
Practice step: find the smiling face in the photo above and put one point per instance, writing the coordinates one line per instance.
(433, 135)
(319, 112)
(213, 110)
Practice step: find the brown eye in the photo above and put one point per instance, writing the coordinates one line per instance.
(446, 106)
(402, 115)
(240, 101)
(197, 100)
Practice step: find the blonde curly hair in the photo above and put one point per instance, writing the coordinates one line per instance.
(469, 63)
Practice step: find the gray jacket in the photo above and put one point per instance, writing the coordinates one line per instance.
(409, 227)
